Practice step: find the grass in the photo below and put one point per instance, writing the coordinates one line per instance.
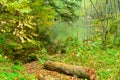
(10, 71)
(105, 61)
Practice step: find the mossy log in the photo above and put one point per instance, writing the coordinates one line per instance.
(73, 70)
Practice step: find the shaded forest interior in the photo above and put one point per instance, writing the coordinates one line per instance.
(77, 32)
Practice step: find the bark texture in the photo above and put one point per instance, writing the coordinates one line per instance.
(78, 71)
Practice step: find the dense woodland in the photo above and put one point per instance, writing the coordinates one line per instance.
(49, 39)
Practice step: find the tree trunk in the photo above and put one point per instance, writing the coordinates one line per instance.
(116, 34)
(104, 35)
(71, 70)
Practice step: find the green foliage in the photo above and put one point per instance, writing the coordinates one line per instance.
(105, 61)
(14, 46)
(113, 25)
(22, 22)
(94, 45)
(112, 33)
(41, 61)
(75, 47)
(72, 46)
(25, 34)
(2, 39)
(66, 10)
(26, 18)
(117, 42)
(44, 15)
(10, 71)
(43, 54)
(21, 6)
(2, 42)
(32, 44)
(1, 51)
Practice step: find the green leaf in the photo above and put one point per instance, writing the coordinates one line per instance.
(1, 51)
(41, 61)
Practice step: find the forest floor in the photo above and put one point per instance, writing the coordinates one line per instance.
(105, 62)
(42, 74)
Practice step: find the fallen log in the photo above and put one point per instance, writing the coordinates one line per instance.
(73, 70)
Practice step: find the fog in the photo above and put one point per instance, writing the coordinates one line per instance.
(62, 30)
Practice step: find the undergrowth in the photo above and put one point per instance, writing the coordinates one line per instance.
(105, 61)
(10, 71)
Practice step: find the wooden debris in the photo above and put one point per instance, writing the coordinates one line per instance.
(73, 70)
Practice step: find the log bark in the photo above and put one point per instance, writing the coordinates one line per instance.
(73, 70)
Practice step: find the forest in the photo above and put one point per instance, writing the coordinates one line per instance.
(59, 39)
